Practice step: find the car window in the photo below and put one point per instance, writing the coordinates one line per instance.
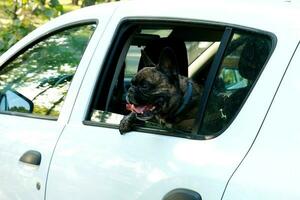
(37, 80)
(244, 59)
(194, 49)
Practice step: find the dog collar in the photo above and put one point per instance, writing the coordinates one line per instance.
(186, 98)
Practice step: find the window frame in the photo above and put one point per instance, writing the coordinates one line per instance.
(243, 30)
(121, 36)
(31, 44)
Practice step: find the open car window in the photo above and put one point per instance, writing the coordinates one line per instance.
(195, 47)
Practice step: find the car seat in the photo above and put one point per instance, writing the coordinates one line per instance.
(252, 58)
(221, 109)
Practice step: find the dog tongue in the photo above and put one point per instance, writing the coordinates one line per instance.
(138, 109)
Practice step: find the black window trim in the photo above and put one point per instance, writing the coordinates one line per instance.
(119, 39)
(273, 39)
(226, 38)
(119, 66)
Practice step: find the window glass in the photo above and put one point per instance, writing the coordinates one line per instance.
(37, 80)
(244, 59)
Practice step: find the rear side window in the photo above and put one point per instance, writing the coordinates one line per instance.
(36, 81)
(242, 63)
(217, 67)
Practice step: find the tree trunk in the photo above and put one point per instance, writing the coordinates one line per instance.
(88, 3)
(15, 9)
(75, 2)
(43, 2)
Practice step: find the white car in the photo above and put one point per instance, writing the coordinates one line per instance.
(63, 91)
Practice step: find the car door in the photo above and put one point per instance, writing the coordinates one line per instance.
(93, 161)
(35, 78)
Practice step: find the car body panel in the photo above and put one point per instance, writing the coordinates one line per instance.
(18, 135)
(270, 170)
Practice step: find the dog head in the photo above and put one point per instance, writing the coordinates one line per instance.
(155, 91)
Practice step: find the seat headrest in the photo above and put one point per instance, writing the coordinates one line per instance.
(253, 56)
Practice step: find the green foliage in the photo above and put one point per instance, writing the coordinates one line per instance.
(19, 17)
(56, 5)
(10, 35)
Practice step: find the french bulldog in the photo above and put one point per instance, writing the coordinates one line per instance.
(161, 95)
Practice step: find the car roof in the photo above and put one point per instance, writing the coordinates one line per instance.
(277, 16)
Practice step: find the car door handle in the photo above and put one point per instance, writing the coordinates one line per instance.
(182, 194)
(31, 157)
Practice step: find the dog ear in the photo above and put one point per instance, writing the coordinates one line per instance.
(168, 63)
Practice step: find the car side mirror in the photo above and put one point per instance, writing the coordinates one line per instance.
(13, 101)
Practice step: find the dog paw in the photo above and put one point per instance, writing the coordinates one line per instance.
(126, 124)
(124, 127)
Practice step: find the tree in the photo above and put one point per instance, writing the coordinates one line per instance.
(88, 3)
(92, 2)
(24, 16)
